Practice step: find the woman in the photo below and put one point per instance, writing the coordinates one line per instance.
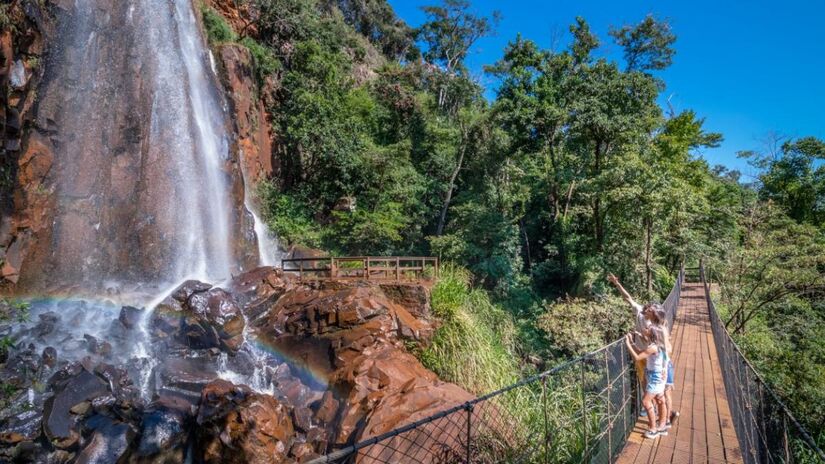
(655, 357)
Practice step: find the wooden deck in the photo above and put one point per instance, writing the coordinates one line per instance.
(704, 433)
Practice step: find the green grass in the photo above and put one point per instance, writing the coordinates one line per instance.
(475, 345)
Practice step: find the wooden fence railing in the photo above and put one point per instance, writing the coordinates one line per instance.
(364, 267)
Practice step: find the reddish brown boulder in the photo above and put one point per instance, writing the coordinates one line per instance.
(213, 319)
(236, 425)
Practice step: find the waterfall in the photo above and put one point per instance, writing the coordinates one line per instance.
(146, 191)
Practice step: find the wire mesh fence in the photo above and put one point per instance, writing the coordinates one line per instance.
(580, 411)
(767, 431)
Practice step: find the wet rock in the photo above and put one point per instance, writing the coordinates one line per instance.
(18, 76)
(59, 425)
(22, 368)
(46, 324)
(130, 316)
(302, 452)
(166, 425)
(167, 319)
(213, 319)
(49, 356)
(98, 347)
(187, 374)
(109, 442)
(60, 457)
(326, 408)
(189, 288)
(258, 290)
(120, 383)
(236, 425)
(302, 419)
(23, 424)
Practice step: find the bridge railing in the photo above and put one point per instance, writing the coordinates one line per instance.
(767, 430)
(364, 267)
(580, 411)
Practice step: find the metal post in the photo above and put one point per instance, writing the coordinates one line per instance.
(546, 421)
(584, 413)
(609, 388)
(624, 391)
(469, 432)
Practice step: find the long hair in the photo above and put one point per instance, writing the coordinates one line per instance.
(656, 335)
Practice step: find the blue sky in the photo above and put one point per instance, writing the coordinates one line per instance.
(749, 68)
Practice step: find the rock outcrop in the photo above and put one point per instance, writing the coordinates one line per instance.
(342, 374)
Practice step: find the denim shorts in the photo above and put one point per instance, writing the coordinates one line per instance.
(655, 383)
(669, 374)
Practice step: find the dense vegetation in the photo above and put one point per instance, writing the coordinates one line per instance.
(571, 171)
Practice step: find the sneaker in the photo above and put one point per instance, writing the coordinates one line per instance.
(667, 426)
(652, 434)
(663, 431)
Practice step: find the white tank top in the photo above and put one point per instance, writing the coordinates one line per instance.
(656, 362)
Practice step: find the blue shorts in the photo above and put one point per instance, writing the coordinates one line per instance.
(669, 374)
(655, 383)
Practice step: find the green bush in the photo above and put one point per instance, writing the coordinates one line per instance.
(266, 64)
(288, 217)
(475, 345)
(576, 326)
(217, 29)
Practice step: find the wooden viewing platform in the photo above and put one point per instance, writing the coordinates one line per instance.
(413, 268)
(705, 432)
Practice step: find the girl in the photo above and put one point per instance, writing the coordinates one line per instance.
(655, 357)
(661, 321)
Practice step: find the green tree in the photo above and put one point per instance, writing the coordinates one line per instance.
(792, 179)
(648, 46)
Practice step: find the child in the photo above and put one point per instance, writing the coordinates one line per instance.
(661, 321)
(655, 357)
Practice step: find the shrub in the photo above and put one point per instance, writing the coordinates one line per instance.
(575, 325)
(217, 29)
(265, 61)
(288, 217)
(475, 345)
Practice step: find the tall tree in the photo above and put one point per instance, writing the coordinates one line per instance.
(648, 46)
(450, 32)
(792, 179)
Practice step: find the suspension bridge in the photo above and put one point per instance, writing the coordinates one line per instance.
(587, 409)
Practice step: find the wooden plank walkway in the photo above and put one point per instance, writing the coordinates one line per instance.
(704, 433)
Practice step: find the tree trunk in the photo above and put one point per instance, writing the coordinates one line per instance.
(529, 261)
(648, 267)
(597, 203)
(448, 197)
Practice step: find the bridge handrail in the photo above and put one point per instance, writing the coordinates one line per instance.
(488, 428)
(760, 417)
(367, 267)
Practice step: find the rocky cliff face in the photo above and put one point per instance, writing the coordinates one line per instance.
(25, 160)
(330, 357)
(123, 172)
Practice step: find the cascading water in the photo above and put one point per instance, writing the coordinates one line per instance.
(144, 184)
